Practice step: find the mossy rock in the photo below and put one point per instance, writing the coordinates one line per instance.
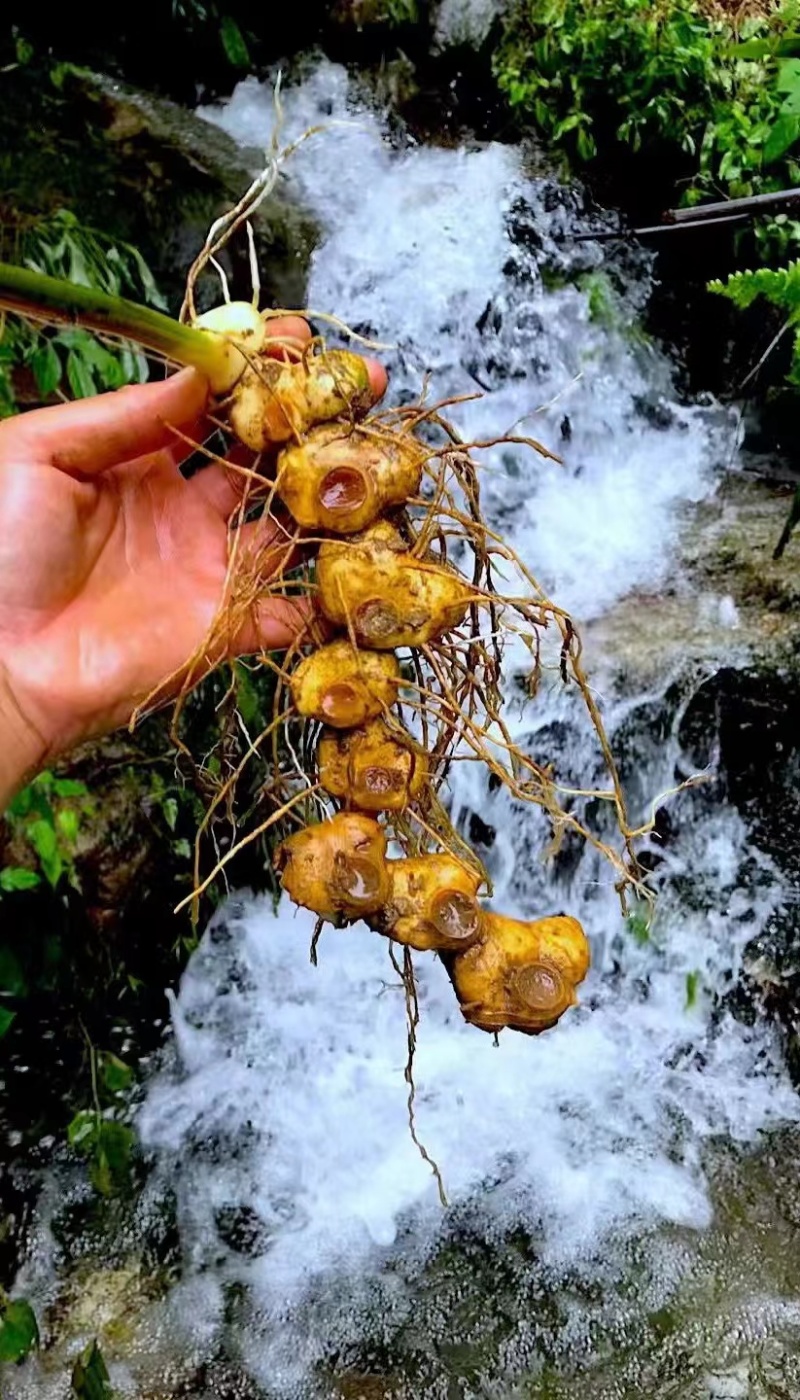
(146, 171)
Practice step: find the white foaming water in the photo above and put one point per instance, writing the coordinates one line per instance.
(466, 21)
(284, 1119)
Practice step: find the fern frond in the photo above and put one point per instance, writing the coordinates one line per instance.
(780, 286)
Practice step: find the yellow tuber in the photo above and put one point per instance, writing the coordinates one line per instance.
(372, 768)
(372, 584)
(432, 904)
(336, 867)
(343, 686)
(274, 402)
(342, 477)
(350, 480)
(521, 975)
(241, 332)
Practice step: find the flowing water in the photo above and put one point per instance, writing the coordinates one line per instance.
(622, 1207)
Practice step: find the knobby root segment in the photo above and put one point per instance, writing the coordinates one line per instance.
(395, 674)
(366, 724)
(371, 534)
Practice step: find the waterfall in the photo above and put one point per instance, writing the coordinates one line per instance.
(579, 1165)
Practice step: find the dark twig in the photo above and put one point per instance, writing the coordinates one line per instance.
(723, 211)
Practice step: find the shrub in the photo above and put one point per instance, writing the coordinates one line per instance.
(583, 69)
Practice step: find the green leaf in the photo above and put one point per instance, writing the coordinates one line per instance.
(248, 701)
(236, 50)
(182, 848)
(46, 368)
(587, 148)
(105, 367)
(6, 1020)
(110, 1165)
(90, 1378)
(68, 824)
(79, 376)
(61, 71)
(788, 79)
(133, 364)
(15, 877)
(639, 928)
(783, 135)
(755, 49)
(692, 989)
(19, 1332)
(170, 809)
(8, 405)
(42, 836)
(23, 50)
(83, 1130)
(117, 1076)
(108, 1147)
(151, 292)
(69, 787)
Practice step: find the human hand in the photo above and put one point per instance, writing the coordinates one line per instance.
(112, 565)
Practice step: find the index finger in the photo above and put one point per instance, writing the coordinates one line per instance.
(91, 435)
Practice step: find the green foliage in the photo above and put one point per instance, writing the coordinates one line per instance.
(71, 362)
(46, 818)
(236, 50)
(96, 1134)
(90, 1378)
(19, 1333)
(107, 1145)
(632, 69)
(172, 802)
(726, 105)
(206, 14)
(116, 1076)
(17, 877)
(781, 288)
(401, 11)
(63, 247)
(638, 926)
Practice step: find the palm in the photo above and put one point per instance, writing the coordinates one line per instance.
(111, 579)
(114, 584)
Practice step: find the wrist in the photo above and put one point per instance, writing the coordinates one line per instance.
(22, 749)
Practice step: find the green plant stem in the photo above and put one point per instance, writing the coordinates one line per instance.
(36, 295)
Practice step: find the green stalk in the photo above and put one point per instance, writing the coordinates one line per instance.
(51, 299)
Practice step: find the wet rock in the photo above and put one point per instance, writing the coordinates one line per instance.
(727, 630)
(147, 172)
(480, 833)
(352, 1386)
(728, 603)
(127, 837)
(655, 411)
(105, 1304)
(745, 721)
(470, 23)
(190, 171)
(242, 1230)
